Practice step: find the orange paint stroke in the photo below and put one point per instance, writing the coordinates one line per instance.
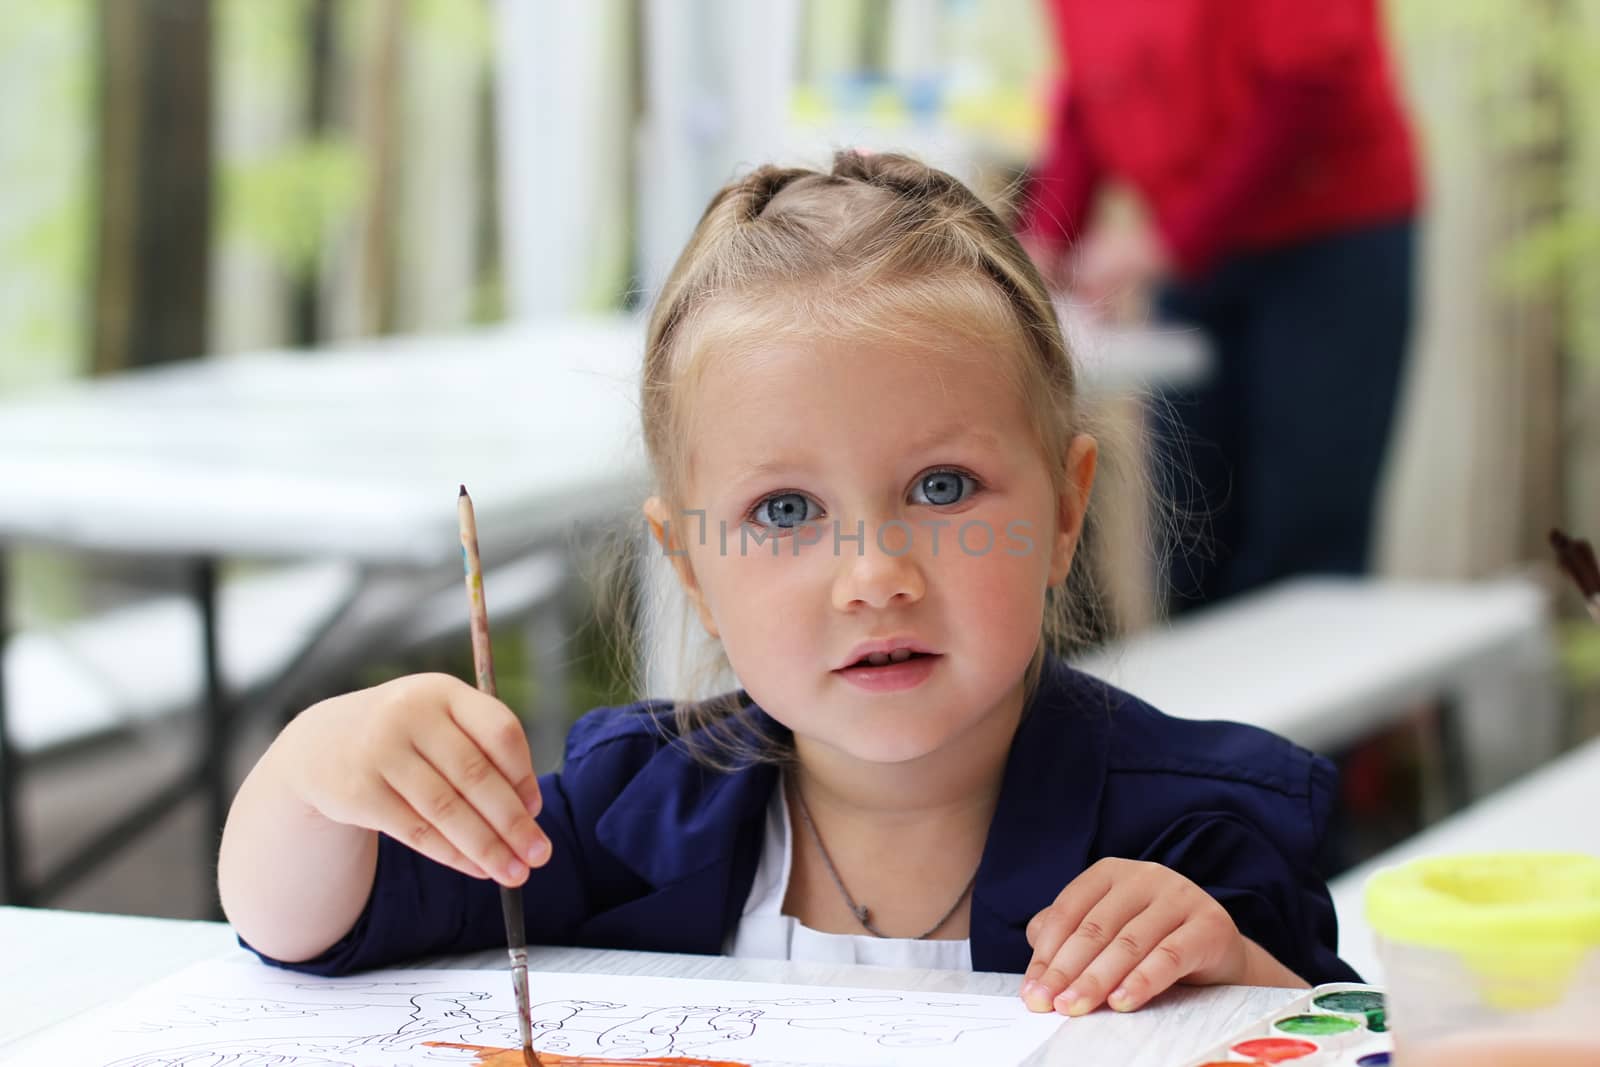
(490, 1056)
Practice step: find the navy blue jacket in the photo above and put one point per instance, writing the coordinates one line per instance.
(654, 851)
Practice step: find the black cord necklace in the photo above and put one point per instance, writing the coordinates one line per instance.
(860, 911)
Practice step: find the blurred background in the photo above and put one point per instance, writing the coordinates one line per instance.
(259, 216)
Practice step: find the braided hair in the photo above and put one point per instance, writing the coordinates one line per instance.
(880, 244)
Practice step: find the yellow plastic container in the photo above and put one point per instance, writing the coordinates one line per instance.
(1491, 959)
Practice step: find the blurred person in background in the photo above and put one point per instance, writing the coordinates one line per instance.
(1269, 150)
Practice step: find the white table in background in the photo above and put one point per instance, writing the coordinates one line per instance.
(1113, 358)
(353, 451)
(1551, 810)
(62, 965)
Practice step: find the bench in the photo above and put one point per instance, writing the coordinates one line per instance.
(1327, 661)
(141, 663)
(281, 632)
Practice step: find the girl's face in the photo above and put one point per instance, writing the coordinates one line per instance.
(889, 494)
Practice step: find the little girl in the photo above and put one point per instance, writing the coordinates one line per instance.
(872, 480)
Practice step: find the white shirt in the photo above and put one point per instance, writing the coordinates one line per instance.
(764, 932)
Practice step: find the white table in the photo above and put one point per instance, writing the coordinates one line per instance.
(1551, 810)
(1117, 358)
(1324, 661)
(352, 452)
(48, 955)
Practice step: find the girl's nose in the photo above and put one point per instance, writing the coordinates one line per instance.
(878, 575)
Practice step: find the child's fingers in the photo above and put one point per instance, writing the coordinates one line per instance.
(1050, 927)
(1049, 930)
(1103, 929)
(496, 730)
(439, 805)
(1175, 958)
(1150, 931)
(400, 821)
(478, 780)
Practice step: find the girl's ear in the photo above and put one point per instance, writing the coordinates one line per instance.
(1072, 504)
(669, 536)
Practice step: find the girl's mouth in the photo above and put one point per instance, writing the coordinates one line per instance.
(880, 673)
(880, 659)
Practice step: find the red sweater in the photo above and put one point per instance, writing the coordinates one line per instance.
(1242, 123)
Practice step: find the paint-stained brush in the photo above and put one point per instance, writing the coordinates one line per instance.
(483, 666)
(1577, 559)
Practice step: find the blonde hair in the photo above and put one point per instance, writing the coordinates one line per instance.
(878, 241)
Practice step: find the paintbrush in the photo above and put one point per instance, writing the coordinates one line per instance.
(1577, 559)
(483, 665)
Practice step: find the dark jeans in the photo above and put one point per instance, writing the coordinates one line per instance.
(1272, 465)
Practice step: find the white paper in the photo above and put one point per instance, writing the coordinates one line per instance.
(241, 1013)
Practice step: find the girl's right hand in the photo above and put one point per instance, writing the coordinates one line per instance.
(430, 761)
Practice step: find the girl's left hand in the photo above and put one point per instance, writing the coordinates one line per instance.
(1123, 931)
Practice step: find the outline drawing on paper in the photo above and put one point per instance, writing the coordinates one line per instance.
(242, 1015)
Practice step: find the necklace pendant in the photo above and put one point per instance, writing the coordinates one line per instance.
(863, 916)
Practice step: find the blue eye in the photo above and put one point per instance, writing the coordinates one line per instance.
(944, 487)
(783, 511)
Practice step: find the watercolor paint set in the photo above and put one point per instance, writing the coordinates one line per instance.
(1340, 1024)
